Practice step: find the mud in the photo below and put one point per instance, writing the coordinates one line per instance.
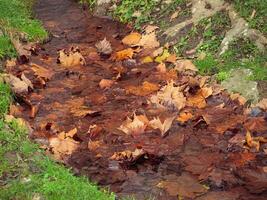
(192, 154)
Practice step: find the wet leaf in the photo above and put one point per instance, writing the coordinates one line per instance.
(129, 156)
(131, 39)
(94, 145)
(169, 97)
(144, 90)
(71, 57)
(184, 117)
(82, 111)
(104, 47)
(184, 185)
(239, 98)
(42, 72)
(105, 83)
(124, 54)
(161, 68)
(163, 127)
(134, 126)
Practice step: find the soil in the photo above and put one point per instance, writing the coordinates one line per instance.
(194, 159)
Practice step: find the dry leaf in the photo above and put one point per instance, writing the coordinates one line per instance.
(169, 97)
(171, 59)
(163, 57)
(144, 90)
(94, 145)
(174, 15)
(124, 54)
(10, 63)
(26, 80)
(104, 47)
(149, 41)
(105, 83)
(163, 127)
(81, 111)
(157, 52)
(254, 142)
(134, 126)
(184, 117)
(131, 39)
(199, 100)
(18, 86)
(150, 29)
(182, 65)
(161, 68)
(71, 58)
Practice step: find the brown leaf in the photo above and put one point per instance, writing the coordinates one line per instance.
(171, 59)
(169, 96)
(134, 126)
(124, 54)
(104, 47)
(41, 71)
(199, 99)
(161, 68)
(239, 98)
(184, 186)
(131, 39)
(144, 90)
(182, 65)
(129, 156)
(163, 127)
(149, 41)
(18, 86)
(105, 83)
(94, 145)
(71, 58)
(257, 124)
(82, 111)
(262, 104)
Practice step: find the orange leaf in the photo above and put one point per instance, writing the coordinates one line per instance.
(124, 54)
(146, 89)
(131, 39)
(105, 83)
(184, 117)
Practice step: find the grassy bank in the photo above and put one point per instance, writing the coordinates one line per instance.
(206, 36)
(25, 171)
(16, 20)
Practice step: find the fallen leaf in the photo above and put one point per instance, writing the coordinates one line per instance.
(94, 145)
(163, 57)
(150, 29)
(163, 127)
(134, 126)
(10, 63)
(105, 83)
(262, 104)
(41, 71)
(63, 135)
(71, 57)
(184, 117)
(18, 86)
(129, 156)
(104, 47)
(81, 111)
(157, 52)
(182, 65)
(124, 54)
(199, 99)
(161, 68)
(26, 80)
(149, 41)
(131, 39)
(147, 59)
(169, 97)
(144, 90)
(239, 98)
(174, 15)
(257, 124)
(254, 142)
(171, 59)
(184, 186)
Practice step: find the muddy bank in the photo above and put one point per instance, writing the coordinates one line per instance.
(201, 159)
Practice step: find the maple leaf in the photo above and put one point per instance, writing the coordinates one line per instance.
(169, 96)
(104, 47)
(129, 156)
(184, 117)
(134, 126)
(146, 89)
(131, 39)
(149, 41)
(199, 100)
(81, 111)
(124, 54)
(163, 127)
(71, 58)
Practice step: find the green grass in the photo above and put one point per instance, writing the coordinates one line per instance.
(16, 19)
(25, 172)
(245, 9)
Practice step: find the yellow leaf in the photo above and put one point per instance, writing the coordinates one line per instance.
(163, 57)
(131, 39)
(147, 59)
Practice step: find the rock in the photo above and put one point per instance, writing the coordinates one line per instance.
(239, 83)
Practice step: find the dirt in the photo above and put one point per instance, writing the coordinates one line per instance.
(201, 159)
